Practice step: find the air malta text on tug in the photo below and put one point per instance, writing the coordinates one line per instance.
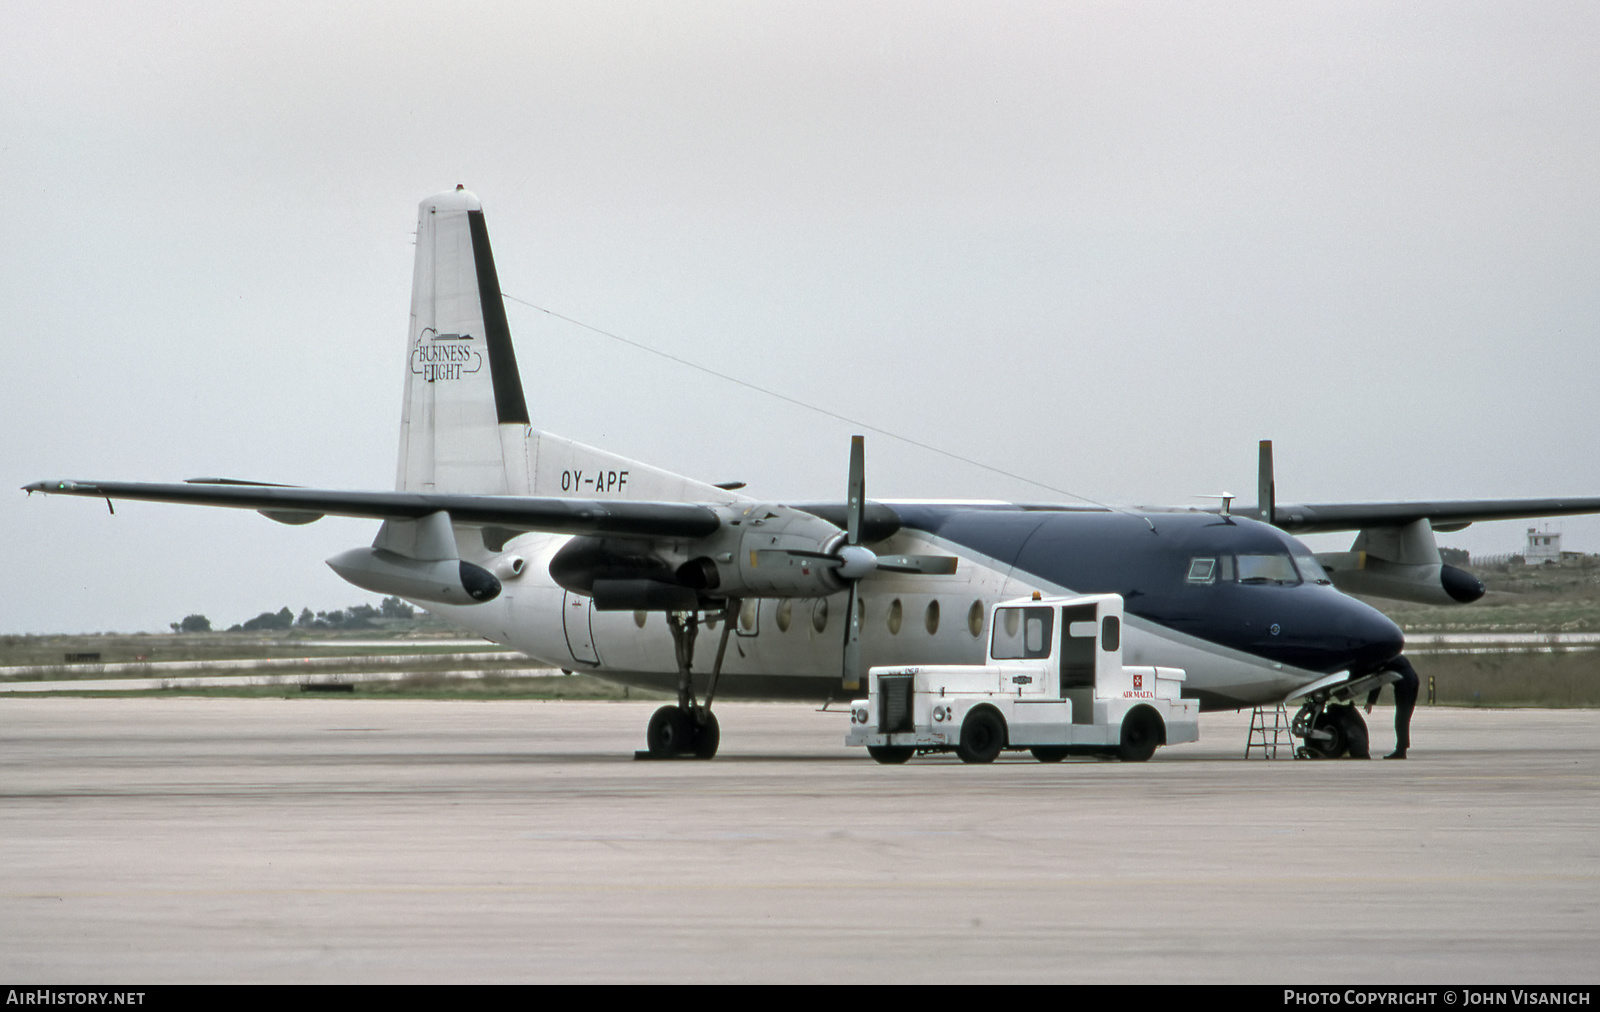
(587, 560)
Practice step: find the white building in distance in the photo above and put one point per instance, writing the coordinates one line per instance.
(1543, 546)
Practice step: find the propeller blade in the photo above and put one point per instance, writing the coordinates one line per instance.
(774, 554)
(858, 562)
(856, 501)
(852, 643)
(927, 565)
(1266, 485)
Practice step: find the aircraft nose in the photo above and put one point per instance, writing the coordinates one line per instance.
(1372, 636)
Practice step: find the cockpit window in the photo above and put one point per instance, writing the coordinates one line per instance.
(1311, 570)
(1266, 569)
(1202, 570)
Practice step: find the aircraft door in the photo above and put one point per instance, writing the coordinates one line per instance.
(576, 615)
(1079, 637)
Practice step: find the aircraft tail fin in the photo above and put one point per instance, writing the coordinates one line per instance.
(462, 385)
(464, 423)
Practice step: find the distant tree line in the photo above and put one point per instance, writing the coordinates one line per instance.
(360, 616)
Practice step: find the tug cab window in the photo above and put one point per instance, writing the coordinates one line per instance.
(1023, 633)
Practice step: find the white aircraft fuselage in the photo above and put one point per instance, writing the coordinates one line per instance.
(1242, 644)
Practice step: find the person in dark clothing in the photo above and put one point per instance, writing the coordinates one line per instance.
(1405, 700)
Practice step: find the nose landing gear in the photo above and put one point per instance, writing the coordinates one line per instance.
(1329, 726)
(1330, 731)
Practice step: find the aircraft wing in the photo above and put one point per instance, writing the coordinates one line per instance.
(289, 504)
(1449, 515)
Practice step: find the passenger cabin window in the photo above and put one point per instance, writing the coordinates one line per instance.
(1023, 633)
(1202, 570)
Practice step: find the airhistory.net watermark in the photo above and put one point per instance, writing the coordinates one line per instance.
(50, 996)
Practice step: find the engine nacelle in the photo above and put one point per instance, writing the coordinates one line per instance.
(444, 581)
(754, 555)
(1438, 583)
(622, 574)
(749, 556)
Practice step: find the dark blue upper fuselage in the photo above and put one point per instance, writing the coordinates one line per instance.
(1147, 558)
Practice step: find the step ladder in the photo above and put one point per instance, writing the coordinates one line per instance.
(1269, 731)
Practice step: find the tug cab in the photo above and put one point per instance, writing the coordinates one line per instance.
(1054, 685)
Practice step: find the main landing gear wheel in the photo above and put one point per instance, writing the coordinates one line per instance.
(671, 732)
(890, 755)
(1049, 753)
(1141, 733)
(675, 732)
(707, 736)
(983, 735)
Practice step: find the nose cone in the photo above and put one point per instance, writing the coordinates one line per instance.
(1370, 637)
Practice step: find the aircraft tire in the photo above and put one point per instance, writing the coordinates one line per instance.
(1142, 731)
(671, 732)
(1337, 744)
(890, 755)
(1355, 732)
(983, 735)
(1049, 753)
(707, 737)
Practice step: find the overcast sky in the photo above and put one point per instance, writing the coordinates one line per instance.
(1107, 246)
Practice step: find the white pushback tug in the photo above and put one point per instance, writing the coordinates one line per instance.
(1054, 684)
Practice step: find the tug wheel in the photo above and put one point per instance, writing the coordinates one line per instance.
(983, 735)
(890, 755)
(1049, 753)
(1141, 733)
